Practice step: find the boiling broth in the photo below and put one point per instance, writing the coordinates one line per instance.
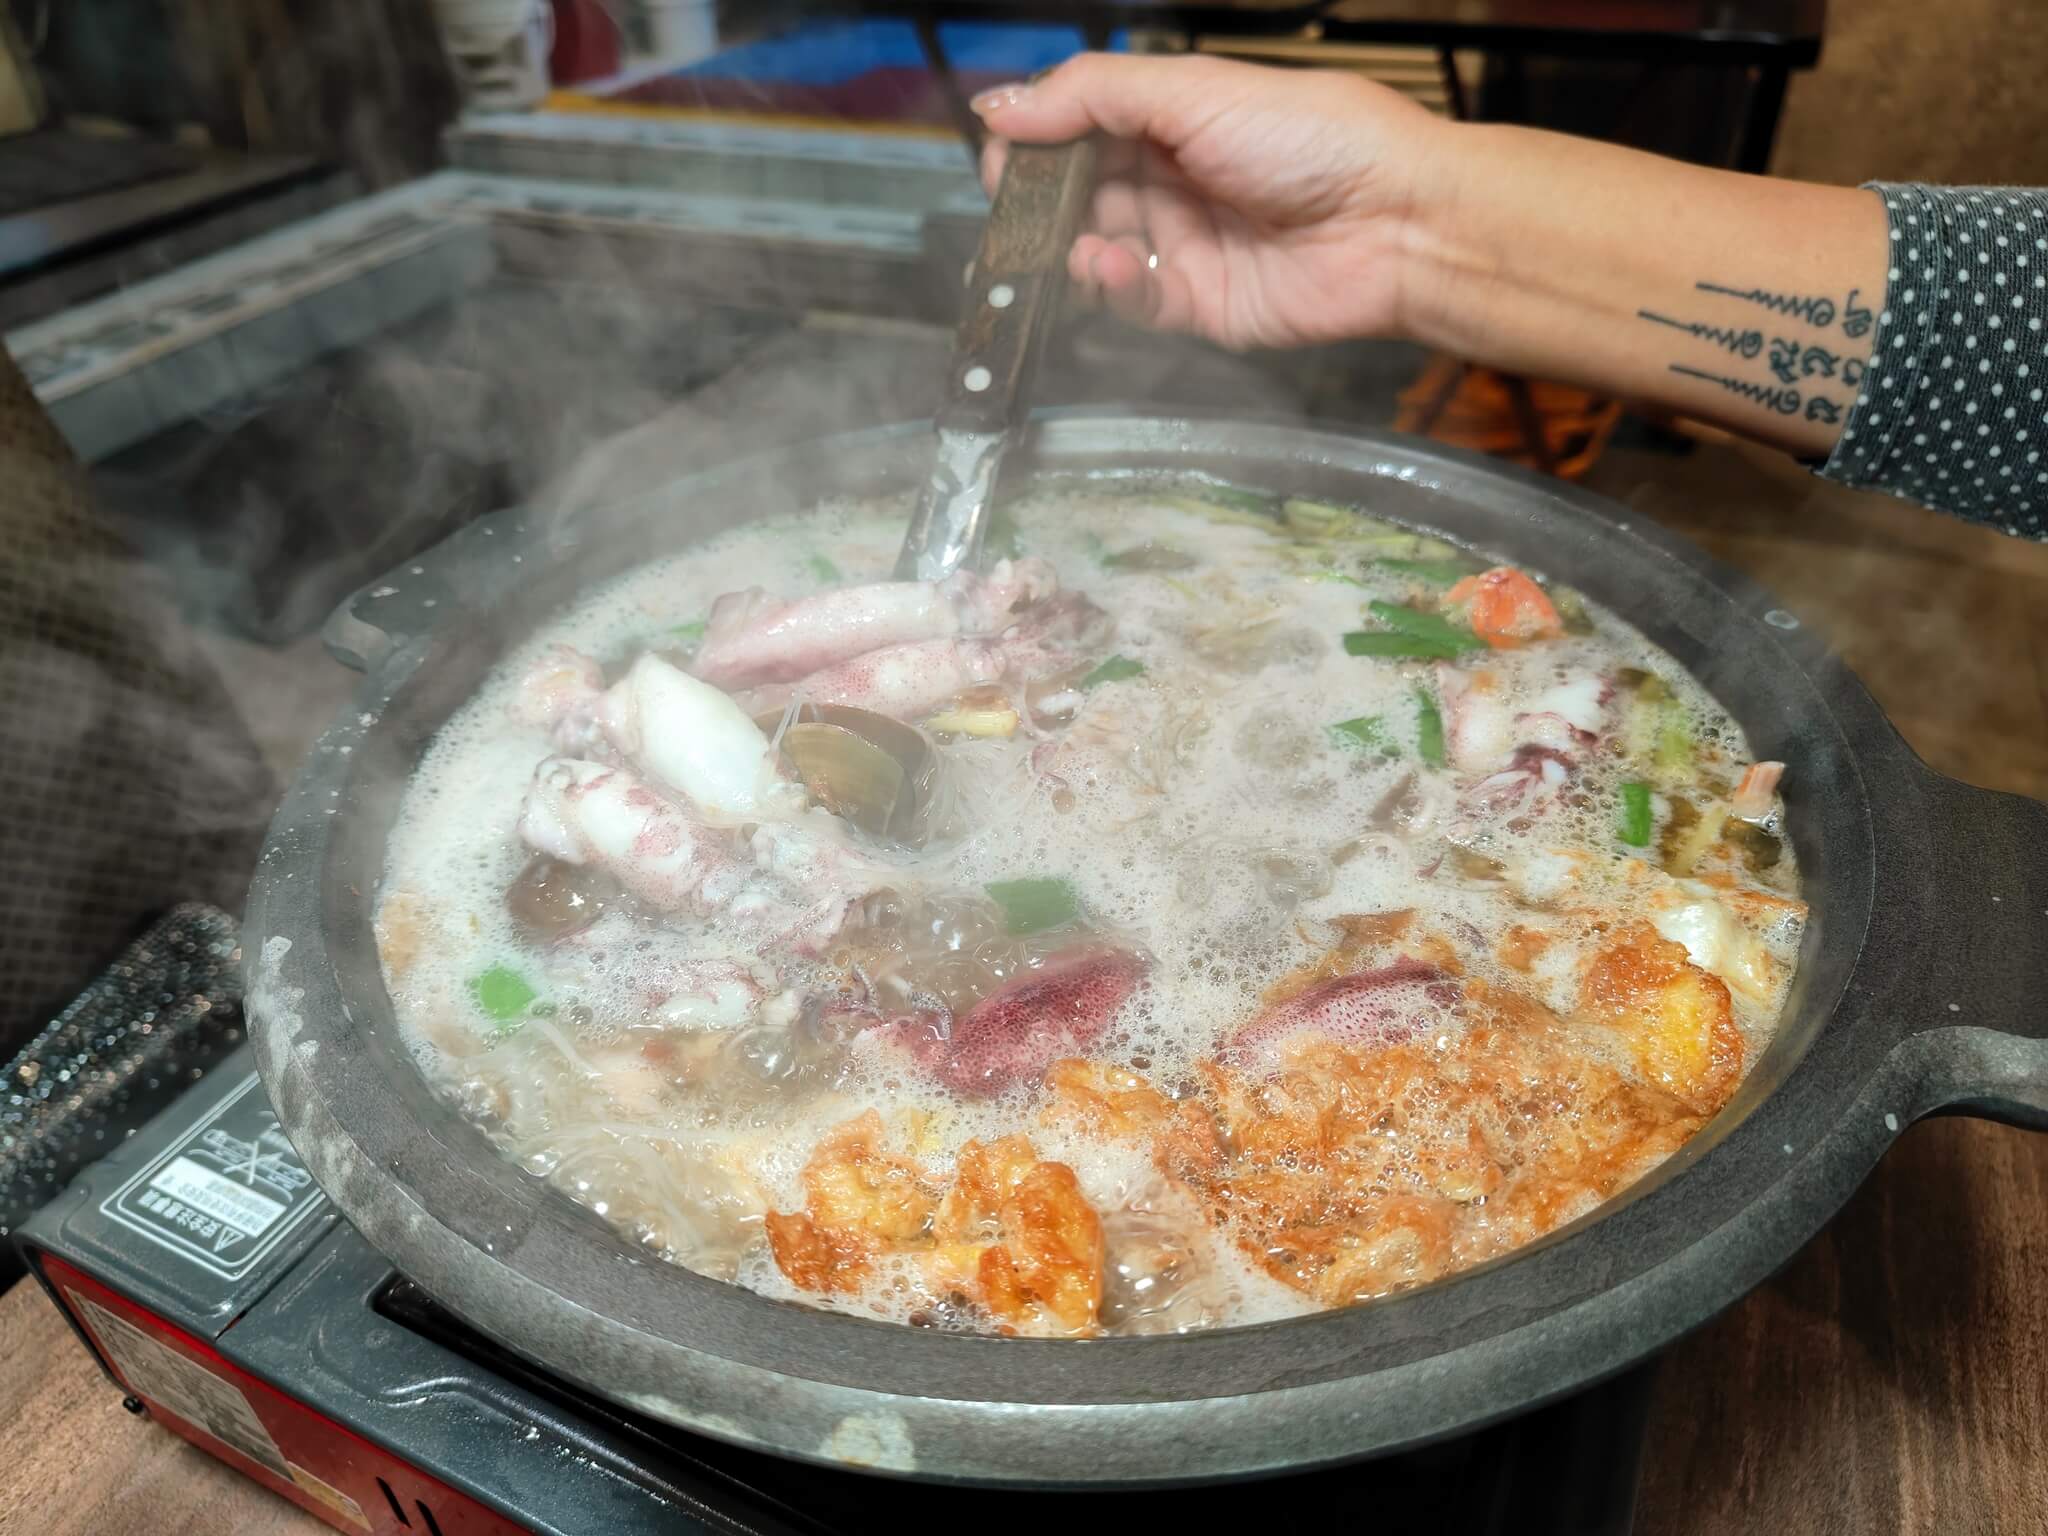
(1289, 909)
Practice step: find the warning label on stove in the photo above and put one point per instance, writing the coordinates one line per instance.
(159, 1374)
(244, 1212)
(225, 1193)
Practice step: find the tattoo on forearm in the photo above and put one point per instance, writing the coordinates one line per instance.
(1792, 361)
(1814, 310)
(1784, 401)
(1741, 343)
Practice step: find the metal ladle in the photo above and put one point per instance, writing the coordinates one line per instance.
(1014, 294)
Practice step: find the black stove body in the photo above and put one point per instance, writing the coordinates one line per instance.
(224, 1297)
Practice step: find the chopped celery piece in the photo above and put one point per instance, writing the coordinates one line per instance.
(1199, 504)
(1429, 729)
(1657, 732)
(1644, 685)
(1367, 731)
(1151, 556)
(1115, 670)
(1571, 608)
(1635, 815)
(1323, 521)
(1238, 499)
(822, 568)
(1320, 520)
(1030, 906)
(1410, 546)
(689, 633)
(503, 993)
(1674, 740)
(1002, 539)
(1440, 573)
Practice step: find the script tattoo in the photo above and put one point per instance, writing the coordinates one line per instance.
(1790, 364)
(1814, 310)
(1784, 358)
(1784, 401)
(1853, 369)
(1741, 343)
(1856, 319)
(1818, 409)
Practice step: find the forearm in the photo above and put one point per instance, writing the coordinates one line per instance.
(1733, 298)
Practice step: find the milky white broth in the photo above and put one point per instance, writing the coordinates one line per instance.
(1208, 818)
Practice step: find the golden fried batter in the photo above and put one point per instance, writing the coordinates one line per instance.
(1360, 935)
(1676, 1017)
(1013, 1235)
(1353, 1172)
(1036, 1243)
(859, 1201)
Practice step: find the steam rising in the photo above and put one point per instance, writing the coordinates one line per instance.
(162, 669)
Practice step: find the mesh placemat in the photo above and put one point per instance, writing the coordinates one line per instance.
(145, 1030)
(127, 779)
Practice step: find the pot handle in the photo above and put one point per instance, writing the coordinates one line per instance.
(382, 614)
(1984, 1041)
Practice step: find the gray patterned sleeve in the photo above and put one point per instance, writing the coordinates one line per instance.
(1950, 412)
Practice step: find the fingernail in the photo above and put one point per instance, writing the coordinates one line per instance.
(996, 97)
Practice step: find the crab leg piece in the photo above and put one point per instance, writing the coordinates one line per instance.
(1756, 796)
(904, 681)
(587, 813)
(753, 639)
(911, 681)
(794, 890)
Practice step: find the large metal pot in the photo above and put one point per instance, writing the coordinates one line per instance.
(1921, 989)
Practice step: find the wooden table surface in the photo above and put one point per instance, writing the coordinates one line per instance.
(1893, 1378)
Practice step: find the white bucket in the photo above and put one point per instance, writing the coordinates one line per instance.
(679, 31)
(499, 49)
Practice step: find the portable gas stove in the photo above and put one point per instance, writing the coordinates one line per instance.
(226, 1299)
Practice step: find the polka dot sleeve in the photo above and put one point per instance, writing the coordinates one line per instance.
(1951, 411)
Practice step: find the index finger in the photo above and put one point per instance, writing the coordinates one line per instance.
(1164, 99)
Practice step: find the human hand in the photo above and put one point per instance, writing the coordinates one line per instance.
(1257, 207)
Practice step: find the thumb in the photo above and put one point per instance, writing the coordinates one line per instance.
(1124, 95)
